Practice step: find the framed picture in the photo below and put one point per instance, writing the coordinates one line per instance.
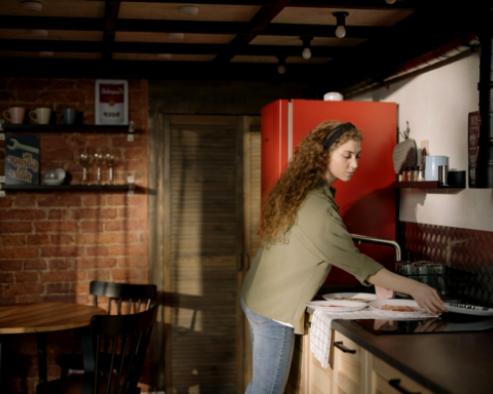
(21, 159)
(111, 102)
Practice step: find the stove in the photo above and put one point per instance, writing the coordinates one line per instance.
(446, 323)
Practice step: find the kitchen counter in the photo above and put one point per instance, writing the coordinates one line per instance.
(458, 363)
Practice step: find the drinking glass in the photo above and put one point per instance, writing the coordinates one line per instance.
(85, 159)
(99, 158)
(110, 160)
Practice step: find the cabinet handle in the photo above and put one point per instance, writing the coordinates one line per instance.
(339, 345)
(396, 383)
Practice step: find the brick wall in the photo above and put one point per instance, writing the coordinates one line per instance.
(52, 244)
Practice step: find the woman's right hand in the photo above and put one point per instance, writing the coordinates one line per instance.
(427, 298)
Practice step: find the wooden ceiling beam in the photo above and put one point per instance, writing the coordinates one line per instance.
(256, 25)
(166, 26)
(155, 48)
(111, 11)
(77, 68)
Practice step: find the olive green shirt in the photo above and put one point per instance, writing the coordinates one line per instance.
(286, 275)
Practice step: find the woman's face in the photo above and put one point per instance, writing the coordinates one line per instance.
(343, 161)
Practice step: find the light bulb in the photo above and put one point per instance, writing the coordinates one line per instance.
(307, 53)
(281, 69)
(32, 5)
(191, 10)
(340, 31)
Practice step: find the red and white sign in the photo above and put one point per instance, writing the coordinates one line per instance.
(111, 102)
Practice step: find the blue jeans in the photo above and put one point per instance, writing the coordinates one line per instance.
(272, 353)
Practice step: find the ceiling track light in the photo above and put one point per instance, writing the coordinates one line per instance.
(341, 16)
(307, 51)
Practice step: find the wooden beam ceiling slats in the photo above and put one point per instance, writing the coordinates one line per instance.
(111, 11)
(155, 48)
(256, 25)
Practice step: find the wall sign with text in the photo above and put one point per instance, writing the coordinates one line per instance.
(111, 102)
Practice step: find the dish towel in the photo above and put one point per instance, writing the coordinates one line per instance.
(321, 328)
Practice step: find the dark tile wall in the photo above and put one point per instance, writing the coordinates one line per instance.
(467, 255)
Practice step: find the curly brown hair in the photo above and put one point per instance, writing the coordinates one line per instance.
(305, 171)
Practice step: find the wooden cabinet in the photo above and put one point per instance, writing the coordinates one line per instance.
(349, 374)
(388, 380)
(319, 378)
(354, 370)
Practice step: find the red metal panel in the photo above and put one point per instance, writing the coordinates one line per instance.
(368, 201)
(274, 143)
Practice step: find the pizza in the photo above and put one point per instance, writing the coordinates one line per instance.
(400, 308)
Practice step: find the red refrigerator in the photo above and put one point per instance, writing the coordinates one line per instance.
(368, 202)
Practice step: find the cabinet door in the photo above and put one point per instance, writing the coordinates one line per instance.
(320, 379)
(349, 366)
(387, 380)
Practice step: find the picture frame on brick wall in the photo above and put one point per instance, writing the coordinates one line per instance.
(111, 102)
(21, 159)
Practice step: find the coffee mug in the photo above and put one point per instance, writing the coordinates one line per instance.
(68, 116)
(431, 166)
(40, 115)
(14, 115)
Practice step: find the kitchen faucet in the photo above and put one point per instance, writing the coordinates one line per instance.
(364, 238)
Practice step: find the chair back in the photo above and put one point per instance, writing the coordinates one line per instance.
(120, 344)
(122, 298)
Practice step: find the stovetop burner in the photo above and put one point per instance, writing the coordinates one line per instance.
(447, 322)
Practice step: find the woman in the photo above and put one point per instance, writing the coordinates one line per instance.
(303, 235)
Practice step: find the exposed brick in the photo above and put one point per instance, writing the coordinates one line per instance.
(99, 262)
(136, 249)
(58, 276)
(89, 226)
(53, 244)
(38, 239)
(24, 288)
(60, 200)
(10, 265)
(56, 288)
(28, 200)
(6, 277)
(121, 225)
(110, 238)
(62, 264)
(26, 277)
(59, 214)
(97, 251)
(62, 239)
(59, 251)
(104, 213)
(19, 252)
(23, 214)
(13, 240)
(55, 226)
(15, 227)
(35, 265)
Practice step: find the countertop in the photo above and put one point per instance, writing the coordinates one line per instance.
(458, 363)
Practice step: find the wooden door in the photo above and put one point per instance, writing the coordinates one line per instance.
(204, 253)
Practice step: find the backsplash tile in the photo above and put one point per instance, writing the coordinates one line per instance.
(467, 254)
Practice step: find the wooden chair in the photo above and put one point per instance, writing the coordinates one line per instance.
(119, 345)
(117, 299)
(122, 297)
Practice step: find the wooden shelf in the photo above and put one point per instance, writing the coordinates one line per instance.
(430, 186)
(81, 128)
(125, 188)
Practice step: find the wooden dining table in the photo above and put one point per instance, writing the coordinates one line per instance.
(41, 319)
